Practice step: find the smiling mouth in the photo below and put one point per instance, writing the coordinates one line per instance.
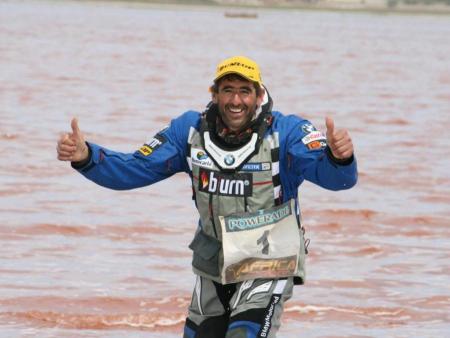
(235, 110)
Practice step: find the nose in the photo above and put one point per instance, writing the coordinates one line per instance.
(236, 99)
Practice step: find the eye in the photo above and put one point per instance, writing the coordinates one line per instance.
(227, 90)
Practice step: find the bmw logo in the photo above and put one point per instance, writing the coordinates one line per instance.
(229, 159)
(308, 128)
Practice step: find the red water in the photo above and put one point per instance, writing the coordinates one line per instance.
(78, 260)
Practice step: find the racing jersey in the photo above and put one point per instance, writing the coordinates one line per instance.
(301, 153)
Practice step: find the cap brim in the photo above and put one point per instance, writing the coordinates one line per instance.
(237, 73)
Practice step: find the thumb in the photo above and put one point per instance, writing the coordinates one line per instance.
(75, 129)
(330, 125)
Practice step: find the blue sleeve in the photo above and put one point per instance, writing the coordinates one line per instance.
(308, 158)
(159, 158)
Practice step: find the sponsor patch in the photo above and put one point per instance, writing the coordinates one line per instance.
(316, 145)
(257, 219)
(264, 166)
(214, 182)
(229, 160)
(153, 144)
(145, 150)
(313, 136)
(265, 329)
(308, 128)
(200, 158)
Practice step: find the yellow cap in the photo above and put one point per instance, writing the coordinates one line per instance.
(240, 65)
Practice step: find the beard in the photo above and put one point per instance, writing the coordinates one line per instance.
(237, 119)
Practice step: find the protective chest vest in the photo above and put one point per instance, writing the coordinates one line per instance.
(245, 231)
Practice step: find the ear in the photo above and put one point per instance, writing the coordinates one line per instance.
(214, 97)
(260, 98)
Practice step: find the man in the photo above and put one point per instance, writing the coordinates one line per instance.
(246, 163)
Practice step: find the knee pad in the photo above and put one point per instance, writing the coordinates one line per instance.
(246, 324)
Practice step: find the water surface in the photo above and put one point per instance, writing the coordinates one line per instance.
(78, 260)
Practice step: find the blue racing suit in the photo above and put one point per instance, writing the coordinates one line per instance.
(121, 171)
(303, 155)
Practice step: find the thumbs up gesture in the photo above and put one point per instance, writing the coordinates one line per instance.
(71, 146)
(338, 140)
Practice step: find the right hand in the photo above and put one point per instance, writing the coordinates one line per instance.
(72, 146)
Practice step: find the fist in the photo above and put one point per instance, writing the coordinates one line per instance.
(72, 146)
(338, 140)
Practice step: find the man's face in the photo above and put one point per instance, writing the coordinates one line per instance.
(237, 101)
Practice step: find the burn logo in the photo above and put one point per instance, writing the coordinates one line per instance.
(214, 182)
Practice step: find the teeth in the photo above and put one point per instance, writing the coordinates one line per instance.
(235, 110)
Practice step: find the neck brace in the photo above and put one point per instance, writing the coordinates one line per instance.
(229, 157)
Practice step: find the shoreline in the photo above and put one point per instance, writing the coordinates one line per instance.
(333, 6)
(252, 10)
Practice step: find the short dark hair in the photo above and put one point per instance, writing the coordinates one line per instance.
(215, 86)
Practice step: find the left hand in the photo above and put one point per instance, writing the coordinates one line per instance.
(338, 140)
